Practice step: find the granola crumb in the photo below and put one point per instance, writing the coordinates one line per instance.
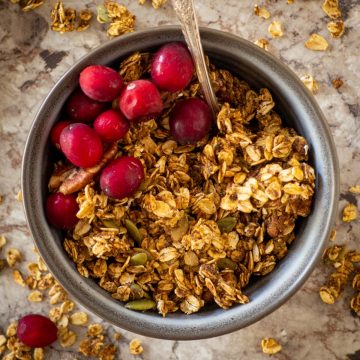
(349, 213)
(13, 256)
(310, 83)
(316, 42)
(331, 8)
(135, 347)
(270, 346)
(263, 43)
(333, 235)
(336, 28)
(276, 29)
(19, 196)
(117, 336)
(261, 12)
(353, 189)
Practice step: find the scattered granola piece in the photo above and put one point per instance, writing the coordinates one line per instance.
(2, 241)
(79, 318)
(38, 354)
(156, 4)
(336, 28)
(270, 346)
(353, 189)
(27, 5)
(117, 336)
(349, 213)
(19, 196)
(276, 29)
(13, 256)
(262, 12)
(18, 278)
(11, 329)
(263, 43)
(316, 42)
(355, 303)
(331, 8)
(35, 296)
(333, 235)
(95, 330)
(356, 282)
(120, 19)
(66, 337)
(135, 347)
(62, 19)
(85, 17)
(310, 83)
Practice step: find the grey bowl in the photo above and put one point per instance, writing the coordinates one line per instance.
(295, 104)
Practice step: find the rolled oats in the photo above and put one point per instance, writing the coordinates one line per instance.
(135, 347)
(276, 29)
(18, 278)
(316, 42)
(13, 256)
(270, 346)
(262, 12)
(331, 8)
(79, 318)
(35, 296)
(336, 28)
(349, 213)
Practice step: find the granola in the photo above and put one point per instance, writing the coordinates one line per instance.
(208, 217)
(316, 42)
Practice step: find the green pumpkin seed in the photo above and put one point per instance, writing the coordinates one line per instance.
(226, 263)
(227, 224)
(133, 231)
(110, 223)
(136, 291)
(138, 259)
(141, 250)
(141, 305)
(102, 14)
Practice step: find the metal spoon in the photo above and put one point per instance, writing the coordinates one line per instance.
(185, 12)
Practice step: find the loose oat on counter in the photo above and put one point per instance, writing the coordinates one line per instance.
(270, 346)
(349, 213)
(310, 83)
(276, 29)
(317, 43)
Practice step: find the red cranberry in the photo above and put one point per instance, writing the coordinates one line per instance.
(100, 82)
(81, 145)
(36, 331)
(111, 125)
(56, 132)
(83, 109)
(190, 121)
(140, 101)
(61, 210)
(122, 177)
(172, 67)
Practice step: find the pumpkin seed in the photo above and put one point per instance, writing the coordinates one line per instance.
(226, 263)
(102, 14)
(110, 223)
(138, 259)
(227, 224)
(140, 250)
(133, 231)
(141, 305)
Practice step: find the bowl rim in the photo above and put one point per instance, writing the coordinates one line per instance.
(195, 326)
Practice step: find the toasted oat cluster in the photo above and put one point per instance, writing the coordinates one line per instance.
(209, 216)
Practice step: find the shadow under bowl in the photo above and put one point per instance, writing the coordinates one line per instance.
(295, 105)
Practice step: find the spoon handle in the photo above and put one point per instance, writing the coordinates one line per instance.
(185, 12)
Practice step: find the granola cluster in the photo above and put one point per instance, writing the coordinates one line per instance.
(208, 216)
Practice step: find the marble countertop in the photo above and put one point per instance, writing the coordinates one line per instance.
(32, 59)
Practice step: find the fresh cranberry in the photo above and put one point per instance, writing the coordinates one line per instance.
(172, 67)
(122, 177)
(140, 101)
(61, 210)
(111, 125)
(81, 145)
(190, 120)
(36, 331)
(100, 83)
(81, 108)
(56, 132)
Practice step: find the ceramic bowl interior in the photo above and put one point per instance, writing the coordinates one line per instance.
(295, 105)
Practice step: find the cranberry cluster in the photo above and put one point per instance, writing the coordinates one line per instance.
(92, 126)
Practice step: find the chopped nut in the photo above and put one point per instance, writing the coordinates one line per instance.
(270, 346)
(18, 278)
(79, 318)
(349, 213)
(19, 196)
(262, 12)
(263, 43)
(310, 83)
(276, 29)
(336, 28)
(353, 189)
(135, 347)
(331, 8)
(13, 256)
(2, 241)
(316, 42)
(35, 296)
(38, 354)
